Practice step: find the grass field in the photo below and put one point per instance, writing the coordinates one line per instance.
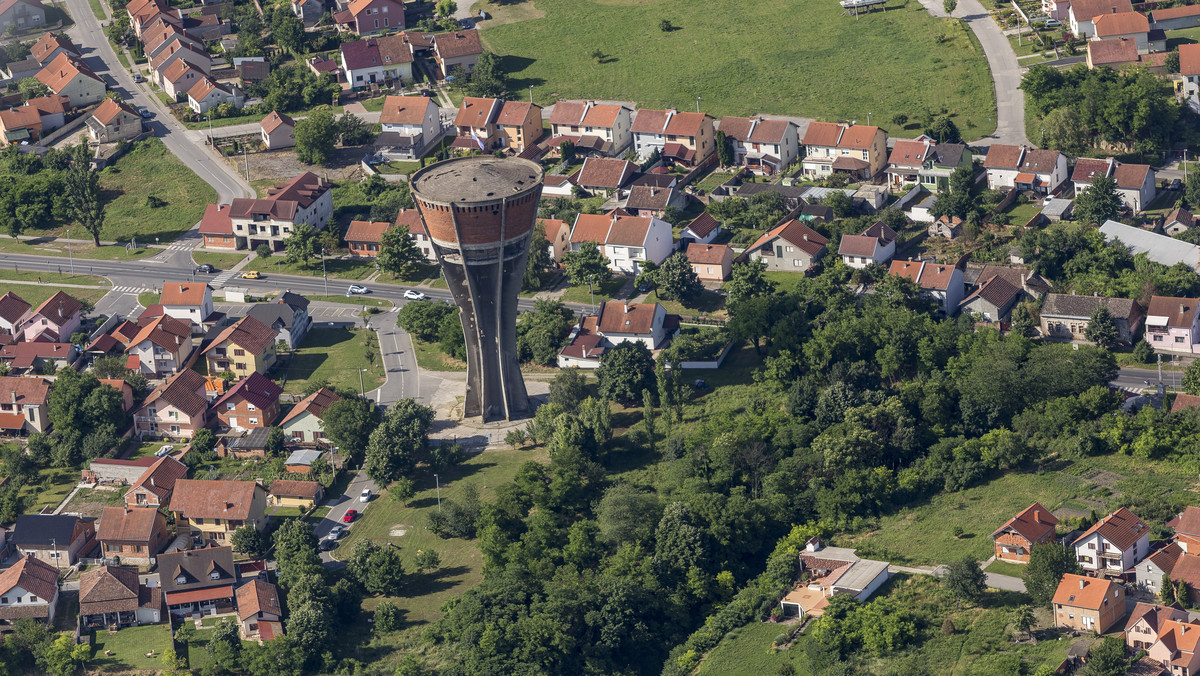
(79, 251)
(50, 277)
(1006, 568)
(431, 358)
(706, 302)
(148, 298)
(246, 119)
(54, 484)
(149, 170)
(822, 64)
(34, 295)
(603, 292)
(336, 355)
(353, 300)
(340, 268)
(98, 9)
(129, 647)
(221, 261)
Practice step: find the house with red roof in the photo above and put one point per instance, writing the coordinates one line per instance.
(178, 78)
(1175, 648)
(154, 486)
(1186, 525)
(617, 322)
(763, 146)
(1114, 544)
(258, 610)
(27, 358)
(874, 246)
(190, 302)
(242, 348)
(216, 227)
(1173, 324)
(50, 45)
(490, 124)
(628, 242)
(943, 283)
(176, 51)
(306, 198)
(13, 311)
(1088, 604)
(277, 131)
(112, 596)
(54, 320)
(28, 589)
(252, 402)
(21, 124)
(409, 125)
(1148, 573)
(790, 246)
(854, 149)
(456, 49)
(710, 262)
(925, 162)
(23, 408)
(112, 121)
(161, 346)
(1129, 25)
(605, 176)
(175, 409)
(366, 17)
(687, 139)
(1032, 526)
(363, 238)
(69, 77)
(302, 424)
(1147, 621)
(702, 230)
(594, 128)
(198, 581)
(135, 534)
(1134, 182)
(1039, 171)
(1081, 14)
(208, 93)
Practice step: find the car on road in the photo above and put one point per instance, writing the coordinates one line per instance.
(1176, 184)
(357, 289)
(145, 112)
(426, 93)
(327, 544)
(137, 77)
(350, 514)
(365, 496)
(206, 269)
(337, 531)
(414, 295)
(253, 274)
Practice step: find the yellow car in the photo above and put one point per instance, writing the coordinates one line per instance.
(253, 274)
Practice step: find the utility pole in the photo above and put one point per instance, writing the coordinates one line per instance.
(323, 271)
(247, 158)
(360, 383)
(697, 105)
(69, 254)
(1159, 369)
(438, 484)
(531, 93)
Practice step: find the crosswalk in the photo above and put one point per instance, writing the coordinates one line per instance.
(134, 290)
(220, 280)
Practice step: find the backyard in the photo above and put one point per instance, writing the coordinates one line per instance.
(129, 648)
(615, 49)
(335, 356)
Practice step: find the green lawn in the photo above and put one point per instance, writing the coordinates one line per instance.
(1006, 568)
(34, 295)
(149, 170)
(79, 251)
(353, 300)
(146, 449)
(340, 268)
(785, 281)
(1184, 36)
(220, 261)
(98, 9)
(121, 56)
(336, 355)
(148, 298)
(782, 62)
(54, 484)
(419, 274)
(603, 292)
(431, 358)
(129, 647)
(374, 105)
(1021, 212)
(247, 119)
(712, 181)
(50, 277)
(709, 303)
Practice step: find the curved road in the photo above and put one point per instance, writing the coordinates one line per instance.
(98, 54)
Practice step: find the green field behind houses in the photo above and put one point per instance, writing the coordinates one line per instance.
(809, 60)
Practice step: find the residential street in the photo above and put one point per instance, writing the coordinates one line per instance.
(339, 505)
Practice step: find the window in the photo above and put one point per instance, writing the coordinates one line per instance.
(215, 575)
(4, 600)
(1158, 339)
(229, 406)
(239, 352)
(241, 365)
(250, 406)
(254, 421)
(1178, 339)
(32, 598)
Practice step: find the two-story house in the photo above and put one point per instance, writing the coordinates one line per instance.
(54, 320)
(302, 424)
(153, 487)
(112, 596)
(252, 402)
(651, 200)
(214, 509)
(175, 409)
(28, 589)
(189, 301)
(605, 176)
(1172, 324)
(367, 17)
(710, 262)
(618, 322)
(1032, 526)
(161, 35)
(1134, 182)
(1039, 171)
(111, 121)
(30, 358)
(287, 315)
(208, 94)
(258, 611)
(409, 125)
(21, 15)
(13, 311)
(411, 220)
(456, 49)
(305, 199)
(594, 128)
(133, 534)
(1123, 26)
(943, 283)
(763, 146)
(684, 138)
(242, 348)
(56, 539)
(178, 78)
(278, 131)
(1088, 604)
(198, 581)
(1188, 80)
(875, 246)
(50, 45)
(1148, 573)
(161, 347)
(1176, 647)
(1081, 14)
(857, 150)
(925, 162)
(790, 246)
(308, 11)
(180, 50)
(1147, 621)
(628, 242)
(520, 125)
(1186, 525)
(362, 63)
(23, 408)
(1114, 544)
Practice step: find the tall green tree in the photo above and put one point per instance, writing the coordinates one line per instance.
(1100, 202)
(303, 245)
(724, 150)
(675, 279)
(398, 251)
(377, 569)
(1022, 619)
(1191, 378)
(1107, 658)
(399, 442)
(1047, 565)
(315, 136)
(966, 580)
(587, 264)
(1191, 189)
(83, 187)
(296, 554)
(1102, 329)
(348, 423)
(748, 280)
(625, 371)
(539, 261)
(488, 78)
(288, 32)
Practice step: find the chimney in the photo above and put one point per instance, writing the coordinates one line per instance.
(1037, 516)
(626, 308)
(1082, 583)
(152, 481)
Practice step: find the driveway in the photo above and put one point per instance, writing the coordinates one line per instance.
(339, 505)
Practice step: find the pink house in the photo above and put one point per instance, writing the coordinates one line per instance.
(1175, 647)
(1171, 324)
(54, 320)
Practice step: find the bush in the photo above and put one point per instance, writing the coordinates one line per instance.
(387, 617)
(780, 639)
(948, 627)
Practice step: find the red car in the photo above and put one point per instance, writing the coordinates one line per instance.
(350, 514)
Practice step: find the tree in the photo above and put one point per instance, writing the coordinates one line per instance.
(302, 245)
(676, 280)
(62, 657)
(899, 119)
(376, 568)
(315, 136)
(387, 617)
(840, 203)
(1100, 202)
(288, 32)
(541, 333)
(249, 541)
(446, 8)
(263, 250)
(949, 6)
(748, 280)
(296, 554)
(348, 423)
(203, 441)
(424, 320)
(397, 443)
(1023, 322)
(1191, 378)
(1172, 62)
(1107, 658)
(1143, 353)
(1102, 329)
(966, 580)
(539, 261)
(625, 371)
(1191, 189)
(398, 252)
(427, 559)
(1047, 565)
(724, 150)
(82, 183)
(402, 490)
(488, 78)
(1167, 590)
(586, 265)
(568, 389)
(943, 130)
(274, 444)
(1022, 619)
(1063, 131)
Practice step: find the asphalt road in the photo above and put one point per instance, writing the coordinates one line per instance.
(1135, 378)
(339, 505)
(98, 54)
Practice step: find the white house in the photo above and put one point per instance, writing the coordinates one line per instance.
(29, 588)
(1024, 168)
(1189, 74)
(304, 199)
(160, 347)
(763, 146)
(207, 94)
(618, 322)
(876, 245)
(702, 230)
(191, 302)
(944, 283)
(626, 241)
(70, 77)
(1134, 182)
(1082, 13)
(600, 127)
(1114, 544)
(832, 571)
(410, 124)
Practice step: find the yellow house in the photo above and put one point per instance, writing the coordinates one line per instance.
(244, 347)
(215, 509)
(289, 493)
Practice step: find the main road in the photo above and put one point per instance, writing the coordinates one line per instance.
(98, 54)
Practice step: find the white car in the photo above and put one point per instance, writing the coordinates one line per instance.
(365, 496)
(414, 295)
(357, 289)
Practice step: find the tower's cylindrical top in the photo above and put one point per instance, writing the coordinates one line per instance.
(478, 200)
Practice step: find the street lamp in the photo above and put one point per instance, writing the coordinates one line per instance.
(210, 135)
(69, 254)
(868, 119)
(531, 93)
(361, 386)
(438, 484)
(323, 271)
(697, 104)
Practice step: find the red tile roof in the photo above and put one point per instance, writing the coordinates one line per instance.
(405, 110)
(606, 172)
(276, 120)
(651, 121)
(620, 317)
(59, 308)
(1118, 50)
(128, 524)
(411, 218)
(182, 391)
(161, 476)
(315, 403)
(166, 332)
(1032, 523)
(1086, 10)
(366, 231)
(795, 233)
(1186, 522)
(1131, 176)
(1180, 312)
(13, 307)
(184, 293)
(208, 499)
(248, 333)
(254, 388)
(295, 489)
(109, 109)
(824, 134)
(703, 224)
(514, 113)
(1121, 23)
(216, 220)
(33, 576)
(477, 112)
(707, 254)
(256, 597)
(23, 391)
(48, 43)
(1122, 528)
(585, 114)
(458, 43)
(61, 71)
(1084, 592)
(934, 276)
(1002, 156)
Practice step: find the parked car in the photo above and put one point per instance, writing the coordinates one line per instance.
(350, 514)
(414, 295)
(700, 384)
(1053, 23)
(137, 77)
(327, 544)
(1176, 184)
(426, 93)
(165, 450)
(357, 289)
(206, 269)
(337, 531)
(253, 274)
(145, 112)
